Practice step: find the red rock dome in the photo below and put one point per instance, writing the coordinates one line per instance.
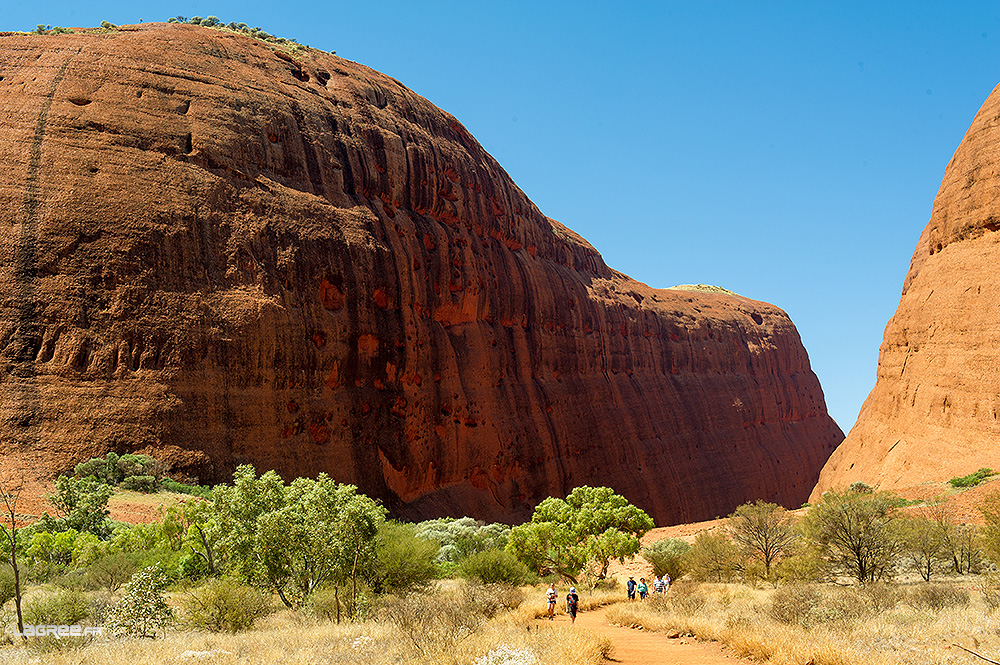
(219, 250)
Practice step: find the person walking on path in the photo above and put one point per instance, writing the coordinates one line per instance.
(658, 586)
(643, 588)
(630, 587)
(572, 602)
(551, 595)
(666, 583)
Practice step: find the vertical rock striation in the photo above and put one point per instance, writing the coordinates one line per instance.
(933, 413)
(221, 251)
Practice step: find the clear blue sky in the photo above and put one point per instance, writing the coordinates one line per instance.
(789, 151)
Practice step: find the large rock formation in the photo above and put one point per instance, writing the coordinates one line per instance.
(221, 250)
(935, 410)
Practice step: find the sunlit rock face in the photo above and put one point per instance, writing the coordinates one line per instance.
(935, 410)
(218, 250)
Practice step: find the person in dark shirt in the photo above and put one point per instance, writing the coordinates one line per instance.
(572, 602)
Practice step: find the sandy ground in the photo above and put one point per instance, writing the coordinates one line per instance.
(640, 647)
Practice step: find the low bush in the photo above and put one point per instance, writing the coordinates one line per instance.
(667, 557)
(6, 584)
(224, 605)
(404, 561)
(685, 597)
(793, 604)
(112, 571)
(65, 607)
(171, 485)
(883, 596)
(334, 603)
(145, 484)
(494, 567)
(142, 611)
(433, 623)
(936, 597)
(490, 600)
(973, 479)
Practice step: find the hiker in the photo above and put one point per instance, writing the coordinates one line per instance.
(630, 587)
(551, 595)
(666, 583)
(572, 601)
(643, 588)
(658, 586)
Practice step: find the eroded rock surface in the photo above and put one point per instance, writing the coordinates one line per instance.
(221, 251)
(933, 413)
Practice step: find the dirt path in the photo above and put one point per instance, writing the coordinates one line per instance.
(641, 647)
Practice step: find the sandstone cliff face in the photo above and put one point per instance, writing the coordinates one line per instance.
(220, 251)
(933, 413)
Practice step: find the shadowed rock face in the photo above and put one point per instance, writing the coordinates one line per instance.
(935, 410)
(220, 252)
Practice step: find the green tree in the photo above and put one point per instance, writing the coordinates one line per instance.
(667, 557)
(762, 531)
(291, 539)
(55, 548)
(463, 536)
(857, 533)
(593, 524)
(191, 525)
(923, 544)
(82, 504)
(142, 611)
(404, 561)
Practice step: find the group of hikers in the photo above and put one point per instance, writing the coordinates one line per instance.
(660, 585)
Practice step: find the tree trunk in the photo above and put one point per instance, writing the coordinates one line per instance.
(336, 599)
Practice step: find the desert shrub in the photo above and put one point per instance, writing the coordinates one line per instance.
(792, 604)
(667, 557)
(404, 560)
(685, 597)
(54, 548)
(65, 607)
(142, 611)
(6, 584)
(108, 25)
(490, 600)
(334, 602)
(461, 537)
(882, 596)
(859, 487)
(138, 465)
(605, 584)
(171, 485)
(973, 479)
(989, 589)
(433, 622)
(224, 605)
(146, 484)
(936, 597)
(844, 606)
(494, 567)
(192, 567)
(713, 557)
(112, 571)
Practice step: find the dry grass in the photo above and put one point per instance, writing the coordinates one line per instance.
(296, 639)
(843, 626)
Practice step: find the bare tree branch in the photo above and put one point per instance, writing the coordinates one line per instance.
(977, 655)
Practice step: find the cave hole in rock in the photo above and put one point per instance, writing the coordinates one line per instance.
(757, 318)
